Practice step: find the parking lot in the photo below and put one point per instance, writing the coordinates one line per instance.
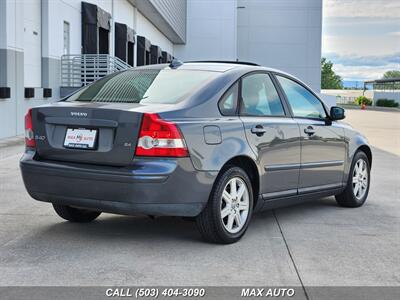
(313, 244)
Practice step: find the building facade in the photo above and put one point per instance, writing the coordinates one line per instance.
(46, 44)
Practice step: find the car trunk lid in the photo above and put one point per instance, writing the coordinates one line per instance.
(114, 129)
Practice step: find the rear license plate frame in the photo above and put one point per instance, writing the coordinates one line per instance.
(89, 134)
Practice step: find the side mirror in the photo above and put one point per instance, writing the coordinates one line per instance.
(337, 113)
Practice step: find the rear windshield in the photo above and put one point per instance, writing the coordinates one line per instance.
(144, 86)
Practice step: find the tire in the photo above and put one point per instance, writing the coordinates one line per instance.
(73, 214)
(351, 196)
(233, 226)
(189, 219)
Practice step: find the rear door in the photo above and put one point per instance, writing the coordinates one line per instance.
(272, 134)
(322, 142)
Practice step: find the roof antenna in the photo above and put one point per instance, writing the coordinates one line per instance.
(175, 63)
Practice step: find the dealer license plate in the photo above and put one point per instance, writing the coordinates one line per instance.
(80, 138)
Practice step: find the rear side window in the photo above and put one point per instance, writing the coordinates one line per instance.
(145, 86)
(260, 97)
(303, 103)
(228, 103)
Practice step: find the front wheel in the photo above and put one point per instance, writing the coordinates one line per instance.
(357, 188)
(228, 212)
(74, 214)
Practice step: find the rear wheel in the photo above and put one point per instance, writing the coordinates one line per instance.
(357, 188)
(73, 214)
(228, 212)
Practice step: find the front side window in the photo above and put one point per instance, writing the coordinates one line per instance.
(303, 103)
(163, 86)
(259, 97)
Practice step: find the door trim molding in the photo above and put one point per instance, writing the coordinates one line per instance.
(321, 164)
(281, 167)
(279, 194)
(311, 165)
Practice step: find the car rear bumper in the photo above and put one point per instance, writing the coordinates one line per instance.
(148, 186)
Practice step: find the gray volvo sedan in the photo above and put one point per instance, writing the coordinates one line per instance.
(215, 141)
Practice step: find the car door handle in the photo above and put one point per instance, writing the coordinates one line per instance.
(309, 130)
(258, 130)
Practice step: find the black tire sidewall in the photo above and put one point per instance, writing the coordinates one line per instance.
(74, 214)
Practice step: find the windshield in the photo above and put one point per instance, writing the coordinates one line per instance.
(144, 86)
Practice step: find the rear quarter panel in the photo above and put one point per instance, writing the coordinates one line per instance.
(212, 157)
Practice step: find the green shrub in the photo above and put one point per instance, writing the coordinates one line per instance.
(387, 103)
(363, 100)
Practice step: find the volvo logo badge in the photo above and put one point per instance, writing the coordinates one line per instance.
(78, 114)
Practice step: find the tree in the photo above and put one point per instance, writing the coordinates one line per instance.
(329, 79)
(391, 74)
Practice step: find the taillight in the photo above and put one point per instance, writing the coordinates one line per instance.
(29, 135)
(160, 138)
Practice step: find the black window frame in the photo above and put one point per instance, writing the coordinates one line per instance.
(276, 74)
(286, 109)
(283, 102)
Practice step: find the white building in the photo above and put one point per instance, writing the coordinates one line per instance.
(35, 34)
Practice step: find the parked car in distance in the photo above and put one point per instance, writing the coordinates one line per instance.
(216, 141)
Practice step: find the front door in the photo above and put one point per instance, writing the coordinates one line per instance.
(272, 134)
(322, 142)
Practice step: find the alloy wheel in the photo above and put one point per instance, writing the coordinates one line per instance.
(360, 179)
(235, 205)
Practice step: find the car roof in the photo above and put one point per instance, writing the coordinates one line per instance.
(213, 66)
(231, 66)
(219, 66)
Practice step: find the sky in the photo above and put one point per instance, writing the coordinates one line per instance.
(361, 37)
